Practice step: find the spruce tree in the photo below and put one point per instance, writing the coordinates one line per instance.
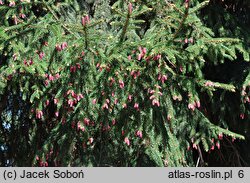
(119, 83)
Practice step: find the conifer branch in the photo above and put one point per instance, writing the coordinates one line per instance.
(124, 30)
(135, 93)
(200, 156)
(79, 28)
(220, 40)
(21, 33)
(182, 21)
(175, 7)
(200, 6)
(86, 37)
(19, 26)
(57, 19)
(125, 27)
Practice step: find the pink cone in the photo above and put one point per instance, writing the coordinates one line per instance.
(64, 45)
(220, 136)
(94, 101)
(12, 3)
(41, 55)
(126, 140)
(91, 140)
(121, 83)
(191, 106)
(130, 8)
(139, 134)
(55, 101)
(136, 106)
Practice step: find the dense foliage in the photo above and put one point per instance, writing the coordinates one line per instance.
(119, 83)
